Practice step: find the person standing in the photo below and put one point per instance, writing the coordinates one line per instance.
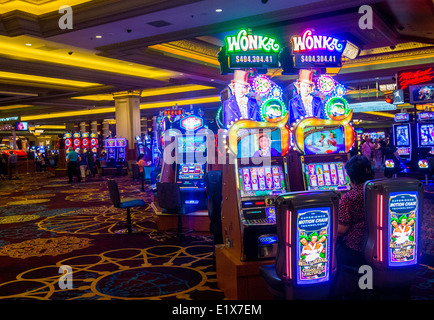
(12, 165)
(90, 162)
(83, 164)
(367, 149)
(72, 159)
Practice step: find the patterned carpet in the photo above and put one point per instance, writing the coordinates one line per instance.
(47, 224)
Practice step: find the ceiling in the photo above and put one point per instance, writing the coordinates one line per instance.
(168, 49)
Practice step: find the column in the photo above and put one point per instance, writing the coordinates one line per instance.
(127, 105)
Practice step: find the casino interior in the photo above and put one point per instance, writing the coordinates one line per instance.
(169, 105)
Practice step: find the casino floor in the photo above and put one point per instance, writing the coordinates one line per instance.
(47, 223)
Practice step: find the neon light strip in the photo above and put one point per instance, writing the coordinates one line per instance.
(380, 227)
(288, 244)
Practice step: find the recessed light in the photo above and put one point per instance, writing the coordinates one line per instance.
(218, 10)
(98, 37)
(28, 44)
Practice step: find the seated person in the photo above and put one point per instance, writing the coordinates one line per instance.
(351, 216)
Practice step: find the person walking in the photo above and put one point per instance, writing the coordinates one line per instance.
(12, 165)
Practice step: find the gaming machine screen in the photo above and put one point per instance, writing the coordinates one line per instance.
(257, 181)
(191, 171)
(326, 176)
(324, 141)
(402, 135)
(426, 137)
(403, 229)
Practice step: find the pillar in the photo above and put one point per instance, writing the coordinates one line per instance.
(127, 106)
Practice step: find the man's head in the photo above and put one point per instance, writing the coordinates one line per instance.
(11, 152)
(304, 83)
(264, 141)
(239, 85)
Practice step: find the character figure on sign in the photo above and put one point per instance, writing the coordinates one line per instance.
(240, 105)
(304, 104)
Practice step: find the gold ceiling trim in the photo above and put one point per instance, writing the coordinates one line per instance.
(36, 7)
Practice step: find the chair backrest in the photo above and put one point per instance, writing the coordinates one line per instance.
(169, 195)
(114, 192)
(136, 171)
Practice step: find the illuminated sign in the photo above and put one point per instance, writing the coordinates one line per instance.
(191, 123)
(402, 230)
(313, 245)
(408, 78)
(245, 50)
(307, 42)
(424, 116)
(316, 50)
(402, 117)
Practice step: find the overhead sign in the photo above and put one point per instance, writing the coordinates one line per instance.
(402, 117)
(191, 123)
(371, 106)
(246, 50)
(312, 51)
(413, 77)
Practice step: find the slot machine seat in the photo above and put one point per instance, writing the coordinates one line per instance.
(213, 183)
(273, 282)
(169, 197)
(135, 170)
(119, 202)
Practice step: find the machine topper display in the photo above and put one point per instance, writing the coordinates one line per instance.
(312, 51)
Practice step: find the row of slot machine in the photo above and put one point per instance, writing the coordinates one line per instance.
(116, 149)
(81, 141)
(189, 161)
(297, 189)
(414, 141)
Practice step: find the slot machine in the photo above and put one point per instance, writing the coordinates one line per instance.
(307, 231)
(110, 146)
(68, 140)
(140, 146)
(393, 209)
(94, 143)
(425, 141)
(250, 187)
(76, 141)
(85, 142)
(321, 153)
(121, 149)
(402, 136)
(190, 170)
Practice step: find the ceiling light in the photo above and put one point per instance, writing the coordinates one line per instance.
(218, 10)
(28, 44)
(81, 58)
(98, 37)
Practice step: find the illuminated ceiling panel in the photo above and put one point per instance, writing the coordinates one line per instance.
(149, 92)
(36, 7)
(35, 80)
(27, 48)
(150, 105)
